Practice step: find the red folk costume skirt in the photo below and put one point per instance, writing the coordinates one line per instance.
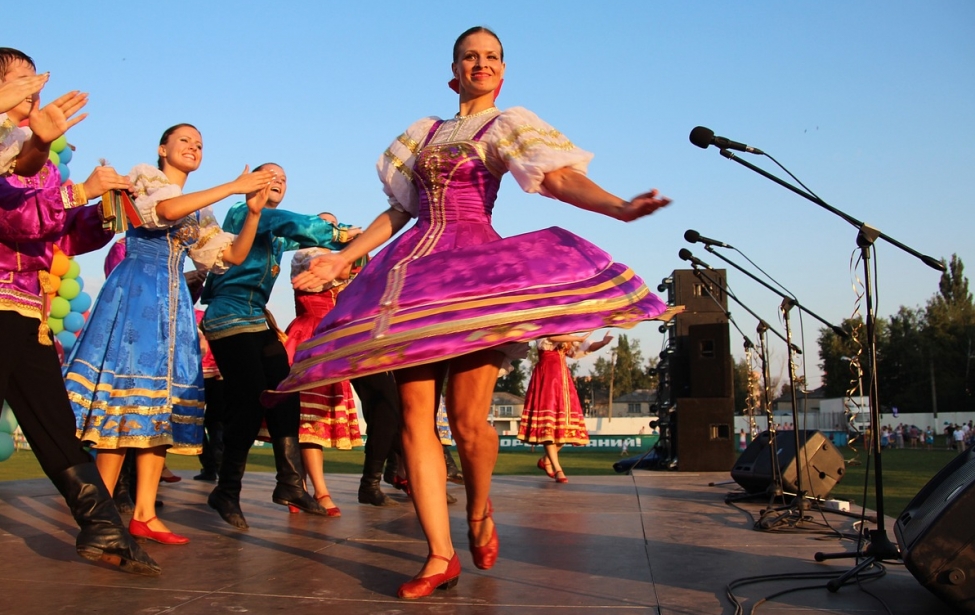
(328, 415)
(552, 410)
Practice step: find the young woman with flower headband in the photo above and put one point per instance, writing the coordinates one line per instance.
(451, 300)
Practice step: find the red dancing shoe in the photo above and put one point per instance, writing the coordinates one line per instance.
(545, 466)
(560, 477)
(168, 476)
(140, 529)
(403, 485)
(486, 555)
(331, 512)
(424, 586)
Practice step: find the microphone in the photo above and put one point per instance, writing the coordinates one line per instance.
(703, 137)
(686, 255)
(693, 236)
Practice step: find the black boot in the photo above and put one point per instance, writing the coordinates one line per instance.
(212, 454)
(225, 497)
(102, 536)
(370, 493)
(454, 474)
(290, 488)
(123, 488)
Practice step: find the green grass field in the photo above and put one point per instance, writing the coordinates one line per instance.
(905, 470)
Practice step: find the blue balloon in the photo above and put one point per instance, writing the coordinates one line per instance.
(73, 322)
(66, 154)
(67, 340)
(80, 303)
(65, 173)
(81, 285)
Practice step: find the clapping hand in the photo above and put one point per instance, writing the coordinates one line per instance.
(248, 182)
(15, 91)
(256, 201)
(321, 271)
(53, 120)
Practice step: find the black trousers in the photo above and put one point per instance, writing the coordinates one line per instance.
(213, 420)
(383, 415)
(250, 364)
(31, 382)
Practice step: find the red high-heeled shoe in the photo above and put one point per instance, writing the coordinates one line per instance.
(140, 529)
(545, 467)
(424, 586)
(403, 484)
(331, 512)
(486, 555)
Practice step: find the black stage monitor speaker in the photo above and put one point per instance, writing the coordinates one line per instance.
(936, 533)
(703, 430)
(821, 464)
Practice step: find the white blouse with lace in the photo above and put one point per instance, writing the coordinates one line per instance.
(518, 142)
(150, 187)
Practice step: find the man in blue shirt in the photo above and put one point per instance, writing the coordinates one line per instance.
(249, 352)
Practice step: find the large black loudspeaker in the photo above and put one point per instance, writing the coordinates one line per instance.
(936, 533)
(821, 464)
(704, 434)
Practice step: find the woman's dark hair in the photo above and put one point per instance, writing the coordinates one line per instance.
(9, 55)
(475, 30)
(168, 133)
(262, 165)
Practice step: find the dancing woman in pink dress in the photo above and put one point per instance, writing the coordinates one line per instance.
(553, 415)
(450, 296)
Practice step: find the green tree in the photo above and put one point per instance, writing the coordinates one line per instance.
(513, 382)
(840, 357)
(740, 374)
(904, 374)
(949, 329)
(627, 369)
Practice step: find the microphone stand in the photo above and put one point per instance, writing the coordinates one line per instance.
(792, 512)
(878, 547)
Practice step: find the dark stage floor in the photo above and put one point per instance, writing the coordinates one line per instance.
(649, 543)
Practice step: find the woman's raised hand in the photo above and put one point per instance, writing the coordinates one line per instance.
(15, 91)
(53, 120)
(321, 270)
(643, 205)
(252, 182)
(257, 201)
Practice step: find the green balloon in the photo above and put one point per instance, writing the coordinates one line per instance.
(60, 307)
(59, 144)
(8, 422)
(73, 269)
(56, 324)
(69, 289)
(6, 446)
(53, 157)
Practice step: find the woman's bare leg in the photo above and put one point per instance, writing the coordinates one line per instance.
(313, 457)
(470, 386)
(109, 463)
(149, 463)
(423, 459)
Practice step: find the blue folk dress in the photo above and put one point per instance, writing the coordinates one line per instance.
(134, 376)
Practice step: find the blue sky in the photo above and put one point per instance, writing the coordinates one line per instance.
(869, 103)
